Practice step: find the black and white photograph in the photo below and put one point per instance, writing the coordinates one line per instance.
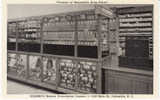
(80, 49)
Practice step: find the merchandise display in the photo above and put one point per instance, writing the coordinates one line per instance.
(65, 51)
(68, 74)
(87, 76)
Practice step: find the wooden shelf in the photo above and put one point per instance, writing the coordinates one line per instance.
(139, 15)
(141, 9)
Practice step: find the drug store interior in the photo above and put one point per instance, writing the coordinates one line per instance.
(96, 49)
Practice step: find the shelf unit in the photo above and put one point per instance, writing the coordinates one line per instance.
(55, 51)
(136, 22)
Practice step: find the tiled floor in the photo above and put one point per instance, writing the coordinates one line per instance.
(18, 88)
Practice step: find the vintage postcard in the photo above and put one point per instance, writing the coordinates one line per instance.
(80, 49)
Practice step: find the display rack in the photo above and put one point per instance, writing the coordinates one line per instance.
(63, 52)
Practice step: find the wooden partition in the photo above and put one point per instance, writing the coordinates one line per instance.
(127, 81)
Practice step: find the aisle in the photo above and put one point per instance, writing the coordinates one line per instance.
(18, 88)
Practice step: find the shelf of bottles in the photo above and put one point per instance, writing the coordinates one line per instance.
(88, 34)
(29, 30)
(29, 35)
(86, 27)
(59, 30)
